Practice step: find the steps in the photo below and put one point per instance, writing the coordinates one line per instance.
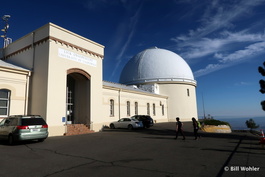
(77, 129)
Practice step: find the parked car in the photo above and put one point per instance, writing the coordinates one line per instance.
(23, 127)
(129, 123)
(147, 120)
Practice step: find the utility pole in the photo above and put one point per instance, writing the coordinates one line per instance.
(203, 107)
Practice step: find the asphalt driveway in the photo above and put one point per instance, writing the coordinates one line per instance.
(146, 152)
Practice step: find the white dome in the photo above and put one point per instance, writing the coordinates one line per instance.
(156, 65)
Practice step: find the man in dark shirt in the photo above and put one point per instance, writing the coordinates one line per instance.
(179, 126)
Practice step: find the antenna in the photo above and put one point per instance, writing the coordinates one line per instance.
(7, 40)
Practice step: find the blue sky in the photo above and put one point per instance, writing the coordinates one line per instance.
(222, 41)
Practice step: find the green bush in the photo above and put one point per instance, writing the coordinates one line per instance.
(215, 122)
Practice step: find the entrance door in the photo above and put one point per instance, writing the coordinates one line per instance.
(70, 98)
(78, 98)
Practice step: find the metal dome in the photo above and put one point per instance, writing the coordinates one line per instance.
(156, 65)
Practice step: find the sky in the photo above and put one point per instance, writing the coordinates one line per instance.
(223, 41)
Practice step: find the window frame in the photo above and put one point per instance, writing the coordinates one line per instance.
(7, 100)
(148, 108)
(154, 109)
(128, 105)
(112, 108)
(136, 108)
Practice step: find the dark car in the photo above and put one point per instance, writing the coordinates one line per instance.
(146, 120)
(23, 127)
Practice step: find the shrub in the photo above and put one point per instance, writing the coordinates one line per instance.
(251, 124)
(215, 122)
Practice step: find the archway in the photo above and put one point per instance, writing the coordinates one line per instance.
(78, 96)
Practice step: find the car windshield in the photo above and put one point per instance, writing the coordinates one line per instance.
(133, 119)
(33, 121)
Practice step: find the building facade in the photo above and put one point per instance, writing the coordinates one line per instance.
(57, 74)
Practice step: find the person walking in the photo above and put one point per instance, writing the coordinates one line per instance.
(179, 129)
(195, 128)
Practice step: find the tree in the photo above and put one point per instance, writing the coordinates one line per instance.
(261, 70)
(251, 124)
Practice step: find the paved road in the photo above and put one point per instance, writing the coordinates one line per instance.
(141, 153)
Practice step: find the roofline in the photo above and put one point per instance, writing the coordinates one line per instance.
(163, 80)
(137, 91)
(15, 69)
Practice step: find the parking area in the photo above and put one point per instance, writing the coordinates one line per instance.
(144, 152)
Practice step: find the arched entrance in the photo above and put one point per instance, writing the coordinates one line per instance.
(78, 97)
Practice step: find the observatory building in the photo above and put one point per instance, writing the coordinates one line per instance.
(57, 74)
(165, 73)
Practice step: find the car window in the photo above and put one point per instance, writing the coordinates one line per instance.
(7, 122)
(13, 122)
(134, 120)
(33, 121)
(2, 122)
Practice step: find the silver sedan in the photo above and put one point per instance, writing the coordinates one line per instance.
(129, 123)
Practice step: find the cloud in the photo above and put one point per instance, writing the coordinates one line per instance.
(249, 51)
(214, 37)
(242, 83)
(227, 40)
(221, 14)
(231, 59)
(208, 69)
(128, 33)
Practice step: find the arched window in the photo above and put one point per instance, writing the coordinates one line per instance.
(136, 108)
(128, 108)
(148, 109)
(4, 102)
(154, 109)
(111, 108)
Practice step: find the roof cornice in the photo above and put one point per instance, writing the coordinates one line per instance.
(57, 40)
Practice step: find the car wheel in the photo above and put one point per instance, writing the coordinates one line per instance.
(11, 140)
(112, 126)
(130, 127)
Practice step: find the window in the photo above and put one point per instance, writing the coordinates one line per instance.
(128, 109)
(111, 108)
(136, 108)
(4, 102)
(163, 110)
(188, 92)
(148, 109)
(154, 109)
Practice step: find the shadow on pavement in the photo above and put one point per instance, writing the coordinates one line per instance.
(168, 129)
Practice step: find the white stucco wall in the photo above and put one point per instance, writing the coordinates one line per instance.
(40, 51)
(180, 104)
(121, 96)
(17, 82)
